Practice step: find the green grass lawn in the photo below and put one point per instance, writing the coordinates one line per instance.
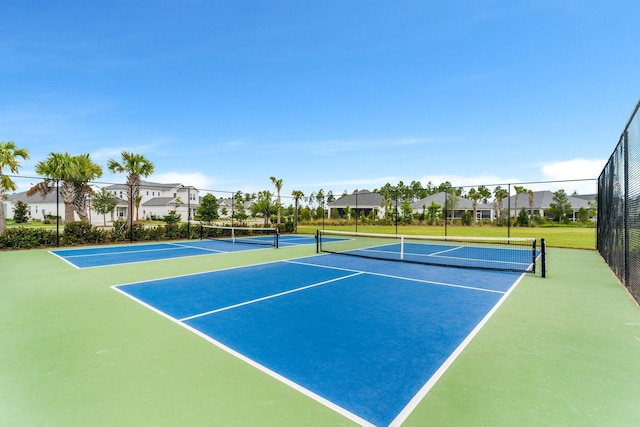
(562, 237)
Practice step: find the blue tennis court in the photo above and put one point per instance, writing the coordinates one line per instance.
(367, 338)
(126, 254)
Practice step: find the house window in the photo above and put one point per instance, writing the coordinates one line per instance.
(147, 192)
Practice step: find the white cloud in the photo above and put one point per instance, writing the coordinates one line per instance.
(583, 171)
(572, 169)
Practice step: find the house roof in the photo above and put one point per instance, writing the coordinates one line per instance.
(228, 203)
(543, 200)
(148, 184)
(161, 201)
(361, 199)
(36, 198)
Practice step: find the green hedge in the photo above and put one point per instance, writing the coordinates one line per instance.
(81, 233)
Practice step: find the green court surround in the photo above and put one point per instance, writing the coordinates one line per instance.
(563, 351)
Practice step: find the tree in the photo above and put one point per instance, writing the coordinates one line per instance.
(137, 204)
(466, 218)
(452, 201)
(519, 190)
(20, 212)
(433, 211)
(75, 172)
(263, 205)
(583, 215)
(55, 168)
(208, 209)
(135, 166)
(84, 171)
(500, 194)
(532, 199)
(297, 195)
(320, 200)
(485, 192)
(475, 196)
(278, 184)
(330, 197)
(407, 212)
(172, 218)
(523, 218)
(9, 155)
(560, 208)
(104, 203)
(348, 212)
(417, 191)
(239, 211)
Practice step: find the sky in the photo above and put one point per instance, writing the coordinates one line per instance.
(333, 95)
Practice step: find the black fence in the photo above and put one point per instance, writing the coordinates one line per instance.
(618, 231)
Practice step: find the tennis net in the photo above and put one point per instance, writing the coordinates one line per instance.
(248, 235)
(508, 254)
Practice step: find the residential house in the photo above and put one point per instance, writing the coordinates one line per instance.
(457, 204)
(361, 203)
(542, 201)
(156, 200)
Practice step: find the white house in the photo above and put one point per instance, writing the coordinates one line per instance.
(157, 200)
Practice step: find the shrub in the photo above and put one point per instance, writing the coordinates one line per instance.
(27, 238)
(467, 218)
(120, 231)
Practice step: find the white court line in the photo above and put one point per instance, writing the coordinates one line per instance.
(313, 285)
(173, 248)
(323, 401)
(436, 255)
(430, 282)
(417, 398)
(64, 259)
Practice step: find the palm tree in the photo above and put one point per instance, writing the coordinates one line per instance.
(84, 171)
(137, 203)
(278, 185)
(297, 195)
(75, 172)
(9, 155)
(500, 194)
(136, 166)
(519, 190)
(475, 196)
(55, 168)
(532, 198)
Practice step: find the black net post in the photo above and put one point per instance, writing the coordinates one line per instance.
(543, 257)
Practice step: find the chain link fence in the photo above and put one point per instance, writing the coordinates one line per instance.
(618, 230)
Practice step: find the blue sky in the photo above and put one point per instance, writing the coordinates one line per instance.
(338, 95)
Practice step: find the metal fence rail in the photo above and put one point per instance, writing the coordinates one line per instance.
(618, 233)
